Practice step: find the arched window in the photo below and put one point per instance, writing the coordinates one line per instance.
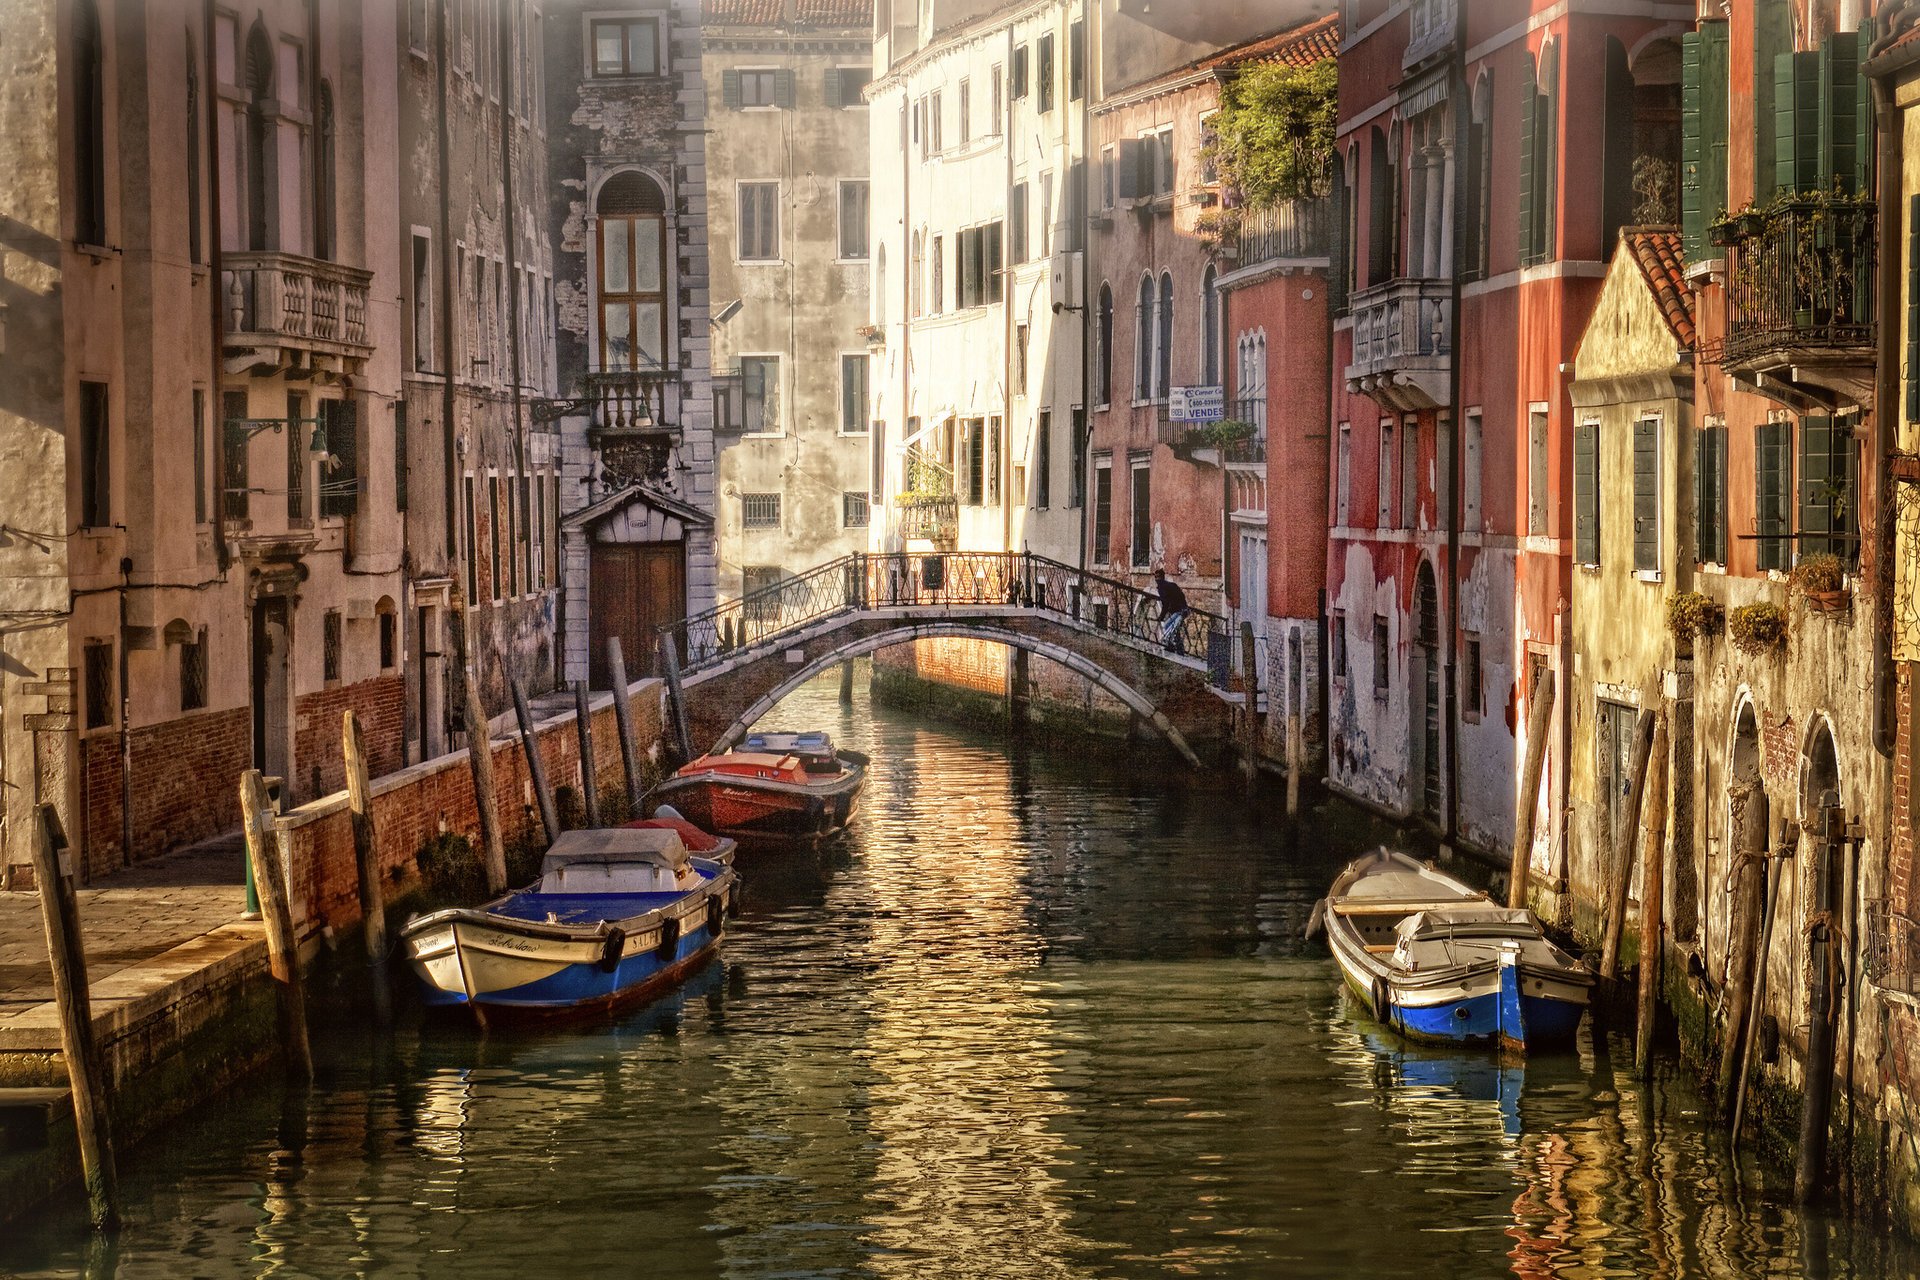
(1479, 176)
(260, 127)
(1539, 151)
(90, 133)
(1163, 348)
(323, 228)
(1103, 352)
(633, 293)
(1210, 329)
(1143, 342)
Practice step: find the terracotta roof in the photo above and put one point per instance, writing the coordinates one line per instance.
(771, 13)
(1658, 252)
(1300, 46)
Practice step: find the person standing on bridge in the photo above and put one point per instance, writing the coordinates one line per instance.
(1173, 611)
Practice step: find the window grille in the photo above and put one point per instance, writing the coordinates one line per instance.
(760, 510)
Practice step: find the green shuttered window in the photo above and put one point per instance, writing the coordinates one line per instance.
(1646, 495)
(1829, 472)
(1703, 134)
(1710, 494)
(1586, 493)
(1773, 476)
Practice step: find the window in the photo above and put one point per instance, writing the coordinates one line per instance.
(1586, 493)
(1141, 509)
(1829, 470)
(1646, 495)
(759, 223)
(1076, 61)
(853, 395)
(235, 485)
(199, 456)
(1710, 492)
(1703, 133)
(1537, 471)
(497, 583)
(853, 221)
(1077, 482)
(323, 140)
(260, 153)
(966, 111)
(757, 87)
(1103, 344)
(1337, 643)
(995, 444)
(90, 127)
(1384, 517)
(973, 458)
(472, 543)
(1046, 215)
(1017, 223)
(1470, 463)
(916, 270)
(96, 457)
(1106, 177)
(1020, 72)
(999, 100)
(195, 245)
(422, 302)
(1343, 477)
(1020, 333)
(340, 479)
(846, 86)
(1163, 341)
(1472, 699)
(193, 670)
(760, 393)
(296, 441)
(980, 253)
(96, 657)
(539, 533)
(939, 282)
(330, 646)
(1158, 154)
(1409, 472)
(1479, 179)
(1143, 342)
(1102, 511)
(855, 509)
(1539, 147)
(389, 637)
(760, 511)
(399, 455)
(1043, 460)
(936, 121)
(1043, 72)
(1209, 328)
(1380, 655)
(1773, 484)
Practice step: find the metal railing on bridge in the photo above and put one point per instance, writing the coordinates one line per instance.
(951, 580)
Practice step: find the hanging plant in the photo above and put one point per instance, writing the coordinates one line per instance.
(1694, 613)
(1821, 580)
(1757, 629)
(1273, 135)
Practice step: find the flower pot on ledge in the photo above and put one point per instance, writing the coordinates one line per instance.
(1829, 601)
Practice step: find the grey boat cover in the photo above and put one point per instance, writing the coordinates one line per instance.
(1468, 922)
(617, 846)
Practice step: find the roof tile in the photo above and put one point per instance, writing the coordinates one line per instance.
(771, 13)
(1657, 251)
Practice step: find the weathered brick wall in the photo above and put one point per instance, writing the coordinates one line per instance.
(172, 804)
(983, 666)
(413, 806)
(381, 705)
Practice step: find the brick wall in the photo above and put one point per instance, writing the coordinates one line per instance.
(381, 705)
(413, 806)
(172, 803)
(984, 666)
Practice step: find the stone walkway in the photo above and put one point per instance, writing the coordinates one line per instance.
(128, 918)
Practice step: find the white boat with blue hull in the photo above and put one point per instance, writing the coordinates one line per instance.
(618, 915)
(1438, 961)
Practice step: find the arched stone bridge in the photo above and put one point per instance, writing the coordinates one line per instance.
(739, 660)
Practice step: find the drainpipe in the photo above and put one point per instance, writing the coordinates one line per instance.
(126, 723)
(1450, 697)
(1004, 463)
(446, 297)
(217, 316)
(1083, 430)
(1891, 192)
(508, 225)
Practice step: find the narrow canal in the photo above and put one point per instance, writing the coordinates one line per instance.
(1037, 1017)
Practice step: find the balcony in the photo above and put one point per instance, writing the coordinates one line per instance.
(1430, 27)
(631, 400)
(1248, 452)
(1402, 344)
(1288, 231)
(1800, 325)
(928, 504)
(285, 312)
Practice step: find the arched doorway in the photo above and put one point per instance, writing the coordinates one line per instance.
(1746, 805)
(1425, 686)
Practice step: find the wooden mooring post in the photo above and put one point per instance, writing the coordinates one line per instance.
(480, 760)
(1539, 721)
(676, 698)
(1296, 746)
(1748, 876)
(366, 856)
(283, 949)
(536, 765)
(1653, 861)
(589, 773)
(66, 952)
(1623, 848)
(1250, 725)
(623, 721)
(846, 683)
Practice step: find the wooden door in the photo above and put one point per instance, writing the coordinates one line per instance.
(635, 588)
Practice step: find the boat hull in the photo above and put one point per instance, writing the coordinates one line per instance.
(1483, 1011)
(747, 809)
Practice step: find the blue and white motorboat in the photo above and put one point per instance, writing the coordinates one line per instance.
(618, 914)
(1438, 961)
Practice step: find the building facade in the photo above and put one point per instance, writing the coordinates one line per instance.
(790, 266)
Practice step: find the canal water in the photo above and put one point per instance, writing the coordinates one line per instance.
(1038, 1016)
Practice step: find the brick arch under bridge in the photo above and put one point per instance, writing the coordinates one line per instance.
(1170, 693)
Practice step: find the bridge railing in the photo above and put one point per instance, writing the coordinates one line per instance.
(945, 579)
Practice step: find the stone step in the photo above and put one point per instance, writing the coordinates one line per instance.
(27, 1115)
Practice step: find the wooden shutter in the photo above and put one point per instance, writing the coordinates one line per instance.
(1693, 213)
(1586, 493)
(1547, 162)
(1646, 495)
(1529, 112)
(1713, 120)
(1017, 222)
(1710, 495)
(1796, 121)
(1772, 36)
(832, 88)
(1774, 497)
(1840, 116)
(1816, 484)
(1863, 115)
(730, 89)
(783, 88)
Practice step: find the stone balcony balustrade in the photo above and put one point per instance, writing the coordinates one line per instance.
(1403, 343)
(285, 311)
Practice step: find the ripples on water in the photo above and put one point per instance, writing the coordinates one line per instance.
(1035, 1018)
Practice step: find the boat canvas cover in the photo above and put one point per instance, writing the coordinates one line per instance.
(1468, 922)
(617, 846)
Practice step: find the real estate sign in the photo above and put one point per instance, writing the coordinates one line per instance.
(1197, 404)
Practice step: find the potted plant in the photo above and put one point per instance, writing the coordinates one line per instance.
(1821, 580)
(1693, 613)
(1757, 629)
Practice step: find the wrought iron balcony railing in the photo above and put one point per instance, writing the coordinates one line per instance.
(1800, 281)
(928, 503)
(1252, 449)
(282, 299)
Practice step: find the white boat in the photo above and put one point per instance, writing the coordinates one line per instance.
(618, 914)
(1438, 961)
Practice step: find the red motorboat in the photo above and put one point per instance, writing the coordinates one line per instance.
(777, 787)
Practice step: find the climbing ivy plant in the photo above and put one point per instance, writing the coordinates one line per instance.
(1273, 134)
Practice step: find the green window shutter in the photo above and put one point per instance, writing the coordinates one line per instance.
(783, 88)
(730, 89)
(1863, 115)
(1844, 466)
(1713, 121)
(1773, 506)
(1693, 216)
(1840, 117)
(1719, 495)
(1772, 36)
(1586, 493)
(832, 87)
(1702, 496)
(1796, 121)
(1547, 170)
(1816, 494)
(1646, 495)
(1529, 115)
